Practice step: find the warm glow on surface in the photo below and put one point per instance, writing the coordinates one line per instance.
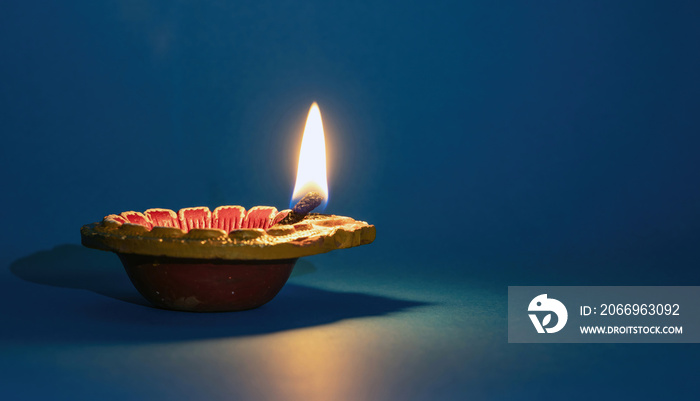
(311, 172)
(325, 363)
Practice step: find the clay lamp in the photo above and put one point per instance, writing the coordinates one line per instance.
(228, 259)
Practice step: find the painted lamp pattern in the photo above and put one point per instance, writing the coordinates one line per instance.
(226, 260)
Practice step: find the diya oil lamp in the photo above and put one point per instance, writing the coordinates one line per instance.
(229, 259)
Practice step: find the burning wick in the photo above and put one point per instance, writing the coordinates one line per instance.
(309, 202)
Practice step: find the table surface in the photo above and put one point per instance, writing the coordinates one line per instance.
(345, 327)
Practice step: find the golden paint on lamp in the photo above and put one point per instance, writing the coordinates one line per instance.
(311, 170)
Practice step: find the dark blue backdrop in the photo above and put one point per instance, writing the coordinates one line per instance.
(537, 142)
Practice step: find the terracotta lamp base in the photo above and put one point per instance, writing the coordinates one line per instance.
(202, 285)
(227, 260)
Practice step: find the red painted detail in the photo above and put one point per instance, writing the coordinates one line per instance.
(194, 217)
(114, 217)
(162, 218)
(137, 218)
(259, 217)
(227, 218)
(281, 215)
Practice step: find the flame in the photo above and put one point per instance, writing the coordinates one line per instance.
(311, 172)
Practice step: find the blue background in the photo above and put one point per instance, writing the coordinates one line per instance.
(491, 143)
